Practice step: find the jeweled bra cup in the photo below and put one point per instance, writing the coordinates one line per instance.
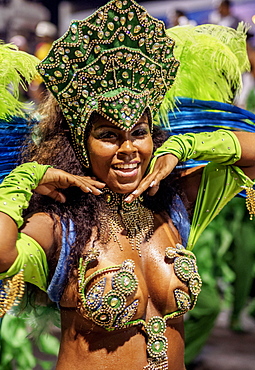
(110, 311)
(186, 270)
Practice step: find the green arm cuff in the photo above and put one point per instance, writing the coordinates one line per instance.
(221, 146)
(16, 189)
(31, 260)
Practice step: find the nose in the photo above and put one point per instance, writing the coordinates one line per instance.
(127, 147)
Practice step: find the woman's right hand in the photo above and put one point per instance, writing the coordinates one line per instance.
(164, 165)
(55, 179)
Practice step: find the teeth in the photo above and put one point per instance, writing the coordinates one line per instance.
(125, 166)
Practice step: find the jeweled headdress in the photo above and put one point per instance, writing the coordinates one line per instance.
(117, 62)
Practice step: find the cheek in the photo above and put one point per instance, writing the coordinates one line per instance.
(147, 150)
(100, 154)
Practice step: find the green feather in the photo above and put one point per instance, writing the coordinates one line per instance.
(212, 60)
(17, 68)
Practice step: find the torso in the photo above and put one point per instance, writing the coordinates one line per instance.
(86, 344)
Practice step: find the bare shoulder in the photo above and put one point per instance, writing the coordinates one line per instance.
(41, 227)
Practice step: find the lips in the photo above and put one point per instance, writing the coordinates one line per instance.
(125, 166)
(126, 169)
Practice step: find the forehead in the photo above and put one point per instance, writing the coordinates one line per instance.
(104, 122)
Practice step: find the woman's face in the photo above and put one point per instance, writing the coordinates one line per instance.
(120, 158)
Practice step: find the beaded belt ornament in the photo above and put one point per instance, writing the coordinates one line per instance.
(186, 270)
(11, 292)
(157, 344)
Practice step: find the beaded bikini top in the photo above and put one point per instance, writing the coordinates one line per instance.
(110, 309)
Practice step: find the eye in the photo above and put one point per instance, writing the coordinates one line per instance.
(139, 132)
(106, 135)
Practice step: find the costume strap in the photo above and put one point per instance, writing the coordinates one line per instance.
(56, 286)
(180, 218)
(16, 189)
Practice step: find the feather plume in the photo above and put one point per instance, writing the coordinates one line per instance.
(17, 68)
(212, 60)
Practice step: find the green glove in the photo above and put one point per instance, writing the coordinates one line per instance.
(16, 189)
(221, 146)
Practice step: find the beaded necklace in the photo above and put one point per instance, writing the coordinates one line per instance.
(134, 218)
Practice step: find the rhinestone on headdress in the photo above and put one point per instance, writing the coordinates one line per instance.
(118, 62)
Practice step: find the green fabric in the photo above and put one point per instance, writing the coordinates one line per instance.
(221, 146)
(240, 254)
(200, 321)
(16, 189)
(219, 184)
(32, 260)
(225, 253)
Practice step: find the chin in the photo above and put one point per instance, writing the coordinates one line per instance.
(123, 188)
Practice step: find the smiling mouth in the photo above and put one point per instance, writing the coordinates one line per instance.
(125, 166)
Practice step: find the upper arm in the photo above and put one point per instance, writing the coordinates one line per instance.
(41, 228)
(247, 160)
(9, 234)
(191, 179)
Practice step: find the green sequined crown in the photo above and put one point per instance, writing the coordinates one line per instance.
(117, 62)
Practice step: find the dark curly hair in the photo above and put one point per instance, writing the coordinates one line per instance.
(50, 143)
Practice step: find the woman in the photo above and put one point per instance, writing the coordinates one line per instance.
(113, 260)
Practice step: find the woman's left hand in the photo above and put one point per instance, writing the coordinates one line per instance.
(163, 167)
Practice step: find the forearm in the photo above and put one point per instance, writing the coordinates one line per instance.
(220, 146)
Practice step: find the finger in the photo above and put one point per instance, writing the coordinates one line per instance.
(96, 183)
(96, 188)
(87, 184)
(150, 181)
(99, 185)
(59, 197)
(54, 194)
(144, 184)
(89, 188)
(93, 190)
(153, 190)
